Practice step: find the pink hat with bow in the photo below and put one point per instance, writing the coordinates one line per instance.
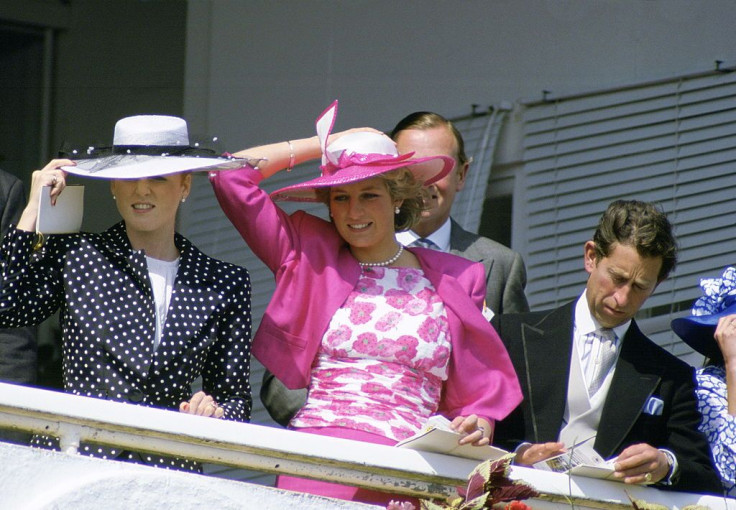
(359, 156)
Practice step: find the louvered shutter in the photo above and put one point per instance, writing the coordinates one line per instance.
(480, 134)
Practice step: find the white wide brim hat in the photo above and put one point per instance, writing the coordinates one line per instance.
(147, 146)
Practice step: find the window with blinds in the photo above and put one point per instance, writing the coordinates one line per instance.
(480, 133)
(672, 142)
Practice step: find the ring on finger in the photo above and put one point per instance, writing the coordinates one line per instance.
(648, 477)
(213, 404)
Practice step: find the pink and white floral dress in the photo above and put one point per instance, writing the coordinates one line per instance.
(383, 358)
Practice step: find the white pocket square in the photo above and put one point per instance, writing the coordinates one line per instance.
(654, 406)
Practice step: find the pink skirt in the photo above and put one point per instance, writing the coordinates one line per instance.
(334, 490)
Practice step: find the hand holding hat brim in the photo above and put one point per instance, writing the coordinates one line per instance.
(698, 331)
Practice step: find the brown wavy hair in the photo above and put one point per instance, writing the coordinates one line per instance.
(642, 225)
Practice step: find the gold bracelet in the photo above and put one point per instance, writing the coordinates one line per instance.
(291, 156)
(38, 241)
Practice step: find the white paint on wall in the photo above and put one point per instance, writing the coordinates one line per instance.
(274, 66)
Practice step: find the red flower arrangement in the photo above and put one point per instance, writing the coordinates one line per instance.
(517, 505)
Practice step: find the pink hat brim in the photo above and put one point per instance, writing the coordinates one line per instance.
(426, 170)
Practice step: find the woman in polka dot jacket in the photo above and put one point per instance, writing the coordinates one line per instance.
(142, 311)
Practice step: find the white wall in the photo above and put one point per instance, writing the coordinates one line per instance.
(268, 68)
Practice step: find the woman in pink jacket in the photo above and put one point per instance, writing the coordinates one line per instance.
(382, 336)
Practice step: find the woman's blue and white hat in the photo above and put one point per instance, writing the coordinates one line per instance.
(718, 300)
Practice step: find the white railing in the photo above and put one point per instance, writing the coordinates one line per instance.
(398, 471)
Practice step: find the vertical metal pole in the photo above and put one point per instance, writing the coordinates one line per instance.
(69, 439)
(46, 82)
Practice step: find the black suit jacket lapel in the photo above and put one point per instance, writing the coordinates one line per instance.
(547, 347)
(633, 383)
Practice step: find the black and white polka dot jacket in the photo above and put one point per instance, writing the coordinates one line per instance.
(103, 291)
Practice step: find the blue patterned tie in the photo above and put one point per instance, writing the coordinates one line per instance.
(423, 242)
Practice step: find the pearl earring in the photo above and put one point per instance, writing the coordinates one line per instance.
(183, 199)
(114, 197)
(397, 210)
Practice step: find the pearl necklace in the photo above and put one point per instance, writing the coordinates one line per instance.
(385, 262)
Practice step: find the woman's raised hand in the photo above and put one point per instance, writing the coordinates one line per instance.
(726, 337)
(51, 175)
(289, 153)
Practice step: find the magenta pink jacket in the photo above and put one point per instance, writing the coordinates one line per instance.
(315, 272)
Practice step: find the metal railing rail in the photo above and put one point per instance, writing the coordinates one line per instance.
(75, 419)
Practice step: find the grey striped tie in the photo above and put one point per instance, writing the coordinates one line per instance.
(607, 339)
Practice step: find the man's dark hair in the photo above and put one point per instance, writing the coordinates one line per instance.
(642, 225)
(428, 120)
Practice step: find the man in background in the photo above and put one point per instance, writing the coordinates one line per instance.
(18, 350)
(430, 134)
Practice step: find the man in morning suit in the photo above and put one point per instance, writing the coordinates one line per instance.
(430, 134)
(640, 408)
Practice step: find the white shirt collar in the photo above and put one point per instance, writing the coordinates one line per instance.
(440, 237)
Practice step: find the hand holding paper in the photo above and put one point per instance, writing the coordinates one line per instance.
(63, 218)
(438, 437)
(530, 454)
(50, 176)
(580, 460)
(639, 460)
